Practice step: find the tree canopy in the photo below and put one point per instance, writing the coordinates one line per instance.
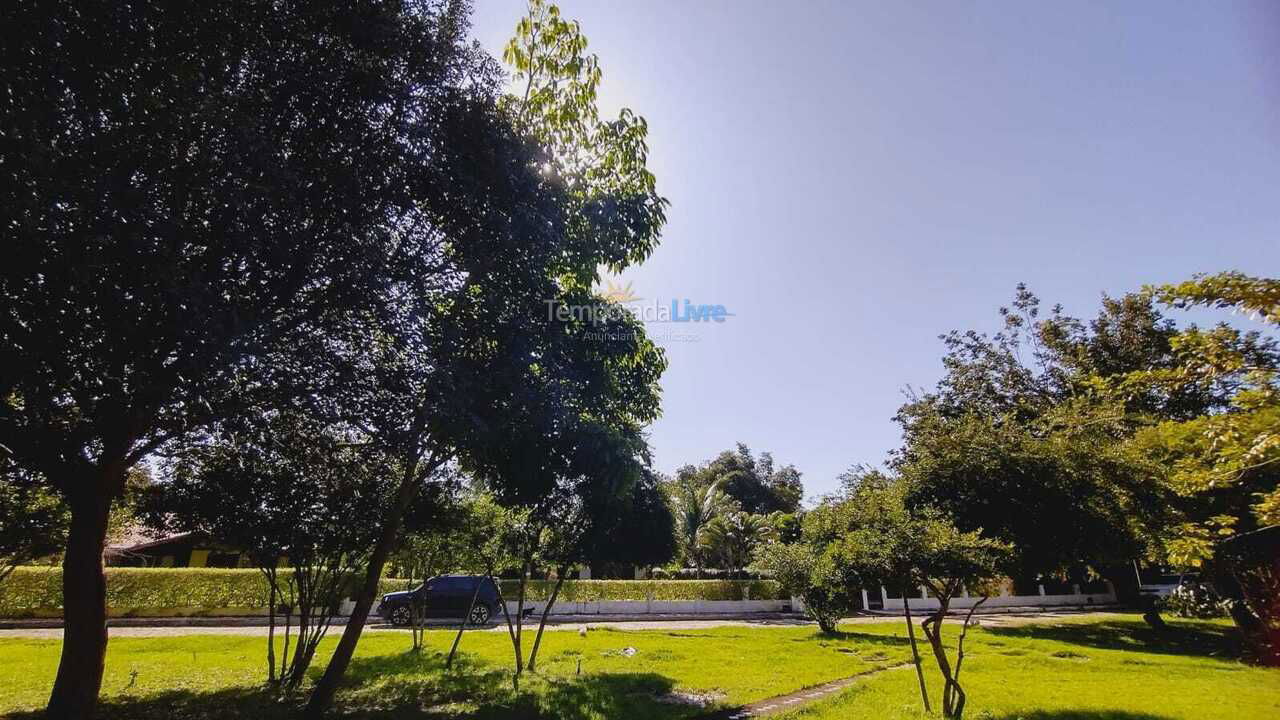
(1222, 461)
(1023, 439)
(755, 483)
(218, 211)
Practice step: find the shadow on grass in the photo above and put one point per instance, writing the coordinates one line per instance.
(855, 636)
(1197, 639)
(417, 686)
(232, 703)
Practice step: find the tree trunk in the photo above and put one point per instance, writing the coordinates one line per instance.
(465, 619)
(322, 695)
(524, 581)
(506, 615)
(964, 631)
(542, 624)
(271, 629)
(915, 651)
(932, 627)
(84, 601)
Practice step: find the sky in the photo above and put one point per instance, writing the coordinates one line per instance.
(852, 179)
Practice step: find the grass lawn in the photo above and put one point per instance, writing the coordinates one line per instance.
(217, 676)
(1107, 670)
(1110, 668)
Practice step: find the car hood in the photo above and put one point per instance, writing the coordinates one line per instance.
(402, 595)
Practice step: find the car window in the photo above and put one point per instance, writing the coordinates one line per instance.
(451, 584)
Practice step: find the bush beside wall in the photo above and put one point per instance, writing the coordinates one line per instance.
(37, 591)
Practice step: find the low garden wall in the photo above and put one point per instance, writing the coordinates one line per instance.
(174, 592)
(1080, 597)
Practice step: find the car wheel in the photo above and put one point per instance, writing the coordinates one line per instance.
(400, 615)
(479, 614)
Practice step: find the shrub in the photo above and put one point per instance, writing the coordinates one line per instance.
(140, 591)
(814, 580)
(1195, 600)
(38, 590)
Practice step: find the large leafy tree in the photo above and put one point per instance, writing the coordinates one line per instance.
(1224, 462)
(1022, 438)
(184, 188)
(483, 368)
(754, 483)
(1223, 466)
(640, 530)
(1061, 487)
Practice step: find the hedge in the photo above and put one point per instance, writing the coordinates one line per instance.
(38, 590)
(34, 591)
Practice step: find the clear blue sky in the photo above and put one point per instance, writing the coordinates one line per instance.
(853, 179)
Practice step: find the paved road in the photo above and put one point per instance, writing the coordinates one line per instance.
(997, 620)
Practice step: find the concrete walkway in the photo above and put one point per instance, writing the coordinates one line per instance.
(797, 699)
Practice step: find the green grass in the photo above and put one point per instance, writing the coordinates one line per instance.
(1112, 669)
(210, 676)
(1100, 670)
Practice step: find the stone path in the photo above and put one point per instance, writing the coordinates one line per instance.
(797, 699)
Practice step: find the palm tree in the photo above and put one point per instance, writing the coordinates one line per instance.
(695, 506)
(734, 536)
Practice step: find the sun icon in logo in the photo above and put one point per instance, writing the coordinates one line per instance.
(618, 293)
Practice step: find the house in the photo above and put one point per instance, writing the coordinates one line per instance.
(182, 550)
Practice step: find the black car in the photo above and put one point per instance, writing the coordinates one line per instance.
(443, 596)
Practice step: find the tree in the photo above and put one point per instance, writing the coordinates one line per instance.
(613, 527)
(33, 522)
(639, 530)
(497, 365)
(754, 483)
(1226, 461)
(1023, 439)
(573, 486)
(289, 490)
(873, 537)
(436, 540)
(948, 561)
(1062, 488)
(805, 573)
(207, 182)
(694, 507)
(734, 536)
(870, 538)
(1223, 465)
(485, 548)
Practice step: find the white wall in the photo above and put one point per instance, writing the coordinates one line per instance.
(1005, 599)
(660, 607)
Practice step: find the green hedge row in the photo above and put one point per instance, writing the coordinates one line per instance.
(32, 591)
(38, 590)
